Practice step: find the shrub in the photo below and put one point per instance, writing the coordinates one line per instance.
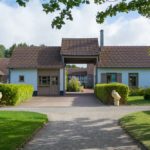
(14, 94)
(136, 92)
(147, 94)
(73, 85)
(103, 92)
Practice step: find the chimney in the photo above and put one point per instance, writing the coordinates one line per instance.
(101, 38)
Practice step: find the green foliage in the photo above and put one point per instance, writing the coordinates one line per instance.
(103, 92)
(136, 92)
(138, 126)
(147, 94)
(138, 100)
(71, 66)
(2, 51)
(73, 85)
(14, 94)
(64, 8)
(66, 81)
(9, 51)
(17, 127)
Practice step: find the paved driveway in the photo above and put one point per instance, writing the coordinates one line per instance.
(91, 127)
(70, 100)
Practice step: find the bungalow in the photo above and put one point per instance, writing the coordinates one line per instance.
(44, 67)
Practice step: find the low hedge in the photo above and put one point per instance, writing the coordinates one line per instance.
(14, 94)
(103, 92)
(147, 94)
(136, 91)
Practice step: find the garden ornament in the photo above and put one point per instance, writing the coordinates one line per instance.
(116, 97)
(1, 95)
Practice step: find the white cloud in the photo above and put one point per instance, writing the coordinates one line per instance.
(33, 26)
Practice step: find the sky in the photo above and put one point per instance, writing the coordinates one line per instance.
(33, 26)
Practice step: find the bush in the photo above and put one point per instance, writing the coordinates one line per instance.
(147, 94)
(14, 94)
(103, 92)
(73, 85)
(136, 92)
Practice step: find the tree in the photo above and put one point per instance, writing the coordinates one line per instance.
(9, 51)
(64, 8)
(2, 51)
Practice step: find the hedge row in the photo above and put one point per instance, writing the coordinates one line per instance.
(103, 92)
(14, 94)
(140, 92)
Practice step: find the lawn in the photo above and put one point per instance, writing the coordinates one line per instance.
(138, 126)
(17, 127)
(137, 100)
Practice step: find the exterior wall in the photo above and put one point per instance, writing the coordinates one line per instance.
(51, 89)
(30, 76)
(62, 81)
(144, 75)
(3, 78)
(90, 75)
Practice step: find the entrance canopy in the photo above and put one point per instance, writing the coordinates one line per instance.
(80, 50)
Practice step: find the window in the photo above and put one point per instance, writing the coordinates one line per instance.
(54, 80)
(21, 78)
(111, 77)
(44, 80)
(133, 79)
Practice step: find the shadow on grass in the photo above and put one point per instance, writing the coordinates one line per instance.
(17, 127)
(138, 126)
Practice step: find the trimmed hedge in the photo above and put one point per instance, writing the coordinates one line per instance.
(147, 94)
(14, 94)
(136, 91)
(103, 92)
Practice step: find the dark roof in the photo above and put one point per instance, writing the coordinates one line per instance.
(125, 56)
(80, 47)
(36, 57)
(4, 62)
(77, 71)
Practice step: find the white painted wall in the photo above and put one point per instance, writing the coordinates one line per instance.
(62, 79)
(30, 76)
(144, 75)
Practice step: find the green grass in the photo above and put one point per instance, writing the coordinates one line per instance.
(138, 126)
(137, 100)
(17, 127)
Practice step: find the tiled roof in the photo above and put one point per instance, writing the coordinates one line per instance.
(125, 56)
(36, 57)
(4, 66)
(80, 47)
(77, 71)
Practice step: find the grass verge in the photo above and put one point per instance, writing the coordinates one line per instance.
(16, 127)
(138, 126)
(137, 100)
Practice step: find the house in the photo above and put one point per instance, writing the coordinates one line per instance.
(44, 67)
(4, 70)
(125, 64)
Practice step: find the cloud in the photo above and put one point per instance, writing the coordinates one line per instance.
(33, 26)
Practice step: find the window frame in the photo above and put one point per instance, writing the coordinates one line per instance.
(23, 78)
(40, 81)
(51, 81)
(137, 80)
(111, 74)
